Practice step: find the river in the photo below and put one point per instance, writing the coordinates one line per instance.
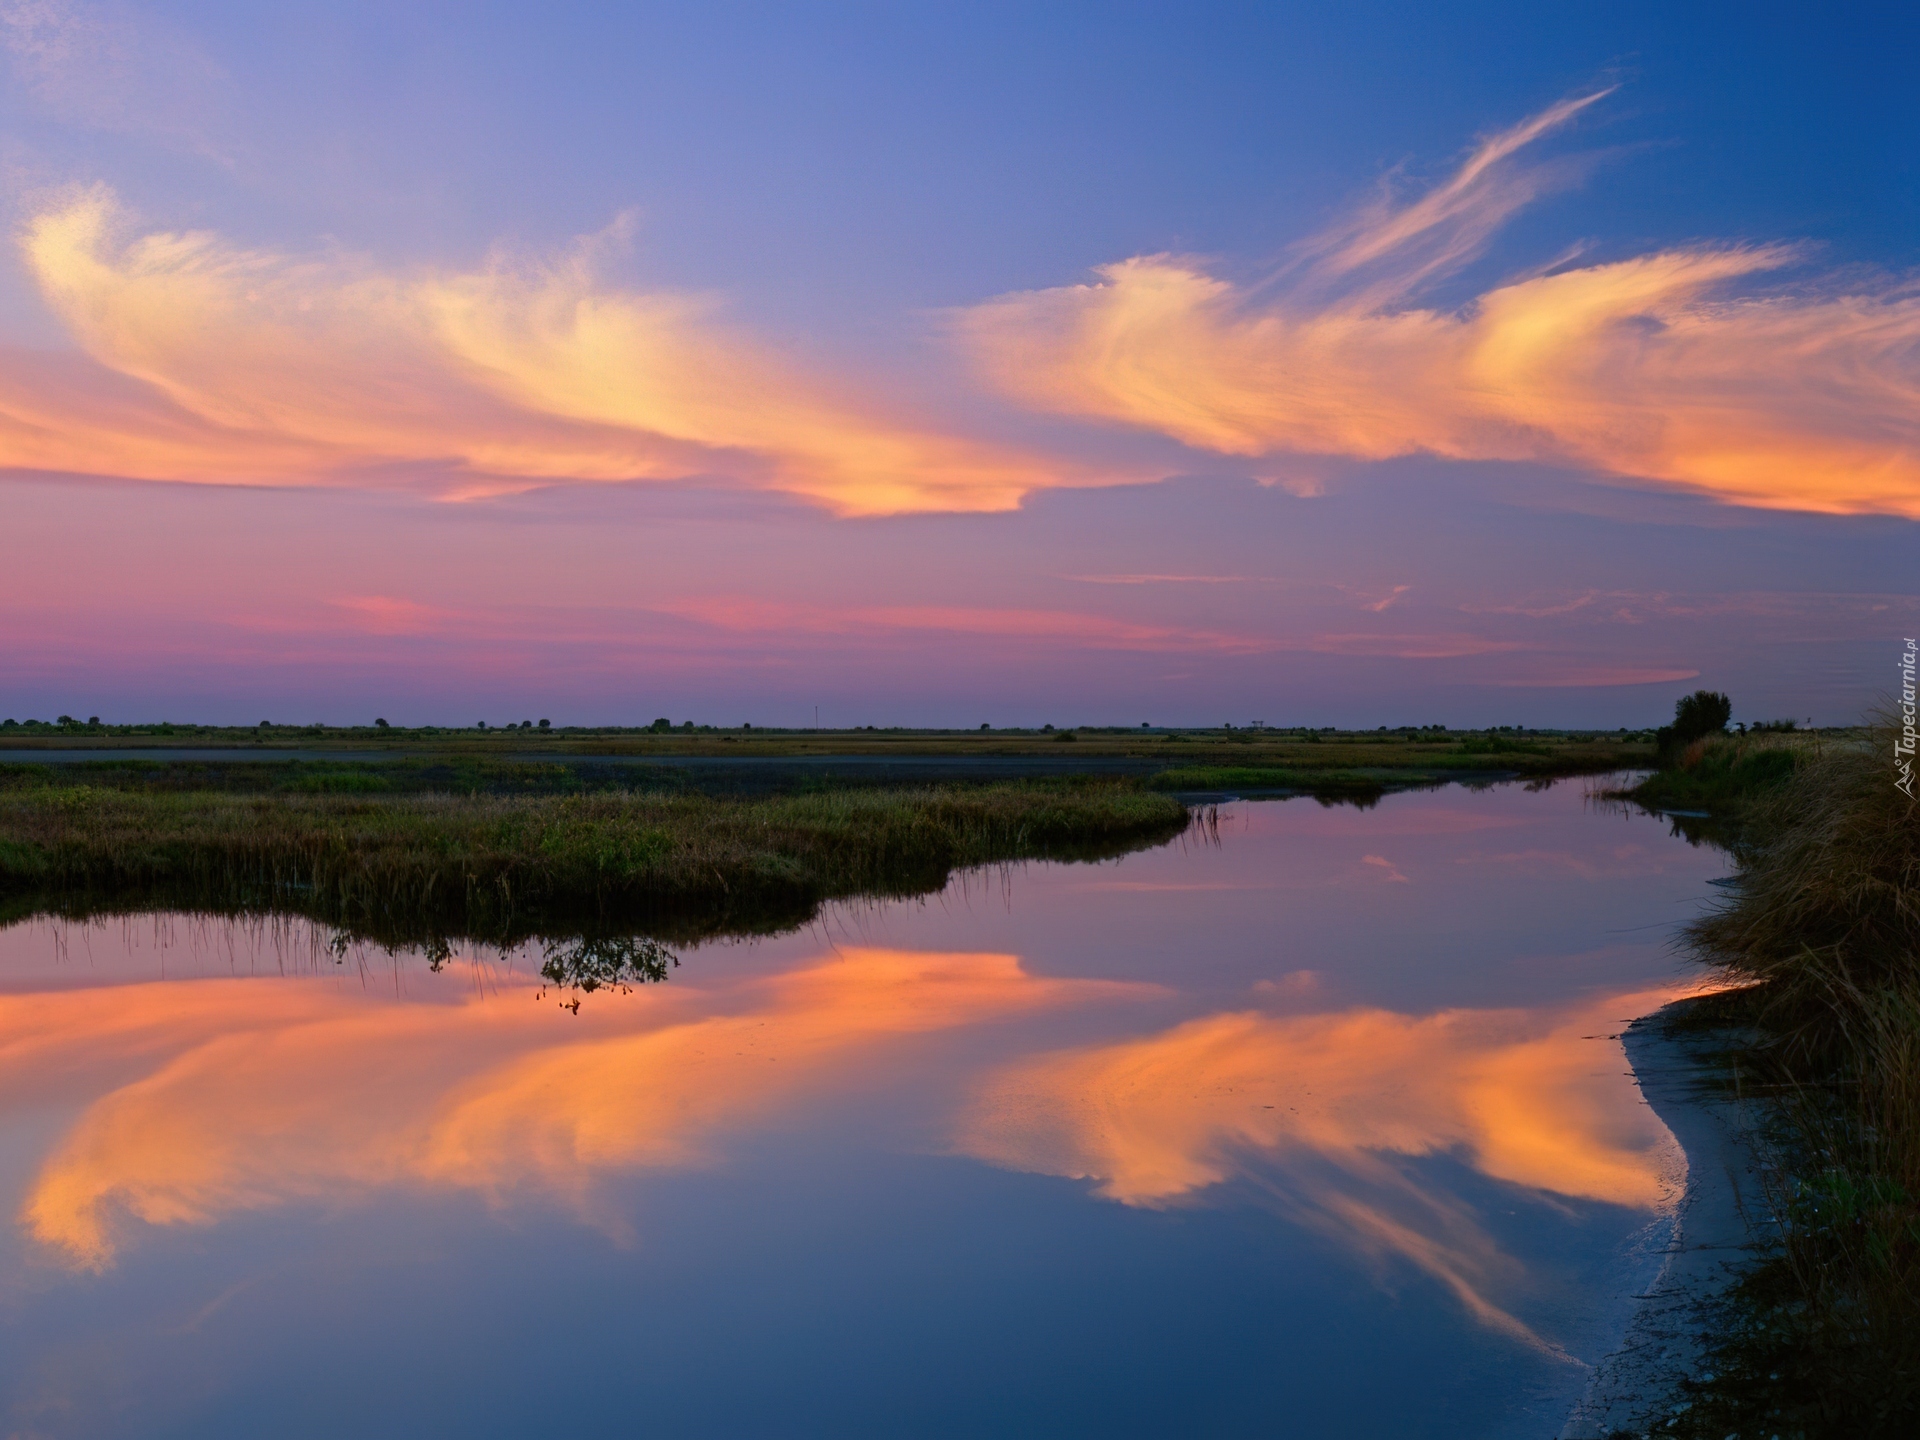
(1315, 1122)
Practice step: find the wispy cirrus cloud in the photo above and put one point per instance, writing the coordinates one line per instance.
(1449, 224)
(1667, 367)
(214, 362)
(208, 361)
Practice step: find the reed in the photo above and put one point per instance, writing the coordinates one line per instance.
(1726, 774)
(413, 868)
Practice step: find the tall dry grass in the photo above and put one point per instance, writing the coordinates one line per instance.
(1829, 888)
(1824, 934)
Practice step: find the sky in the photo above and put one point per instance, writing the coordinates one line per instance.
(939, 365)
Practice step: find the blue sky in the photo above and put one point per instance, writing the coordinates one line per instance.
(864, 227)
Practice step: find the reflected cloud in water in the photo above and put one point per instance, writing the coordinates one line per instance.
(217, 1096)
(1326, 1115)
(255, 1095)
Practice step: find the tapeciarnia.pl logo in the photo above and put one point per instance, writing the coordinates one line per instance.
(1903, 747)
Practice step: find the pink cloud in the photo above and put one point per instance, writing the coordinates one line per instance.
(391, 615)
(1382, 863)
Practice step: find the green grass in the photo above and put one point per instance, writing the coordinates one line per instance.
(1726, 774)
(1497, 744)
(413, 868)
(350, 783)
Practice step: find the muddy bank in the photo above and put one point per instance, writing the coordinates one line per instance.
(1707, 1237)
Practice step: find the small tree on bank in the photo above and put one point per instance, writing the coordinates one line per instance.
(1703, 713)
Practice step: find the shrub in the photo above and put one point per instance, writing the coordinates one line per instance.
(1695, 716)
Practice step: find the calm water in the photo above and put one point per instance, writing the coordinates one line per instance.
(1317, 1131)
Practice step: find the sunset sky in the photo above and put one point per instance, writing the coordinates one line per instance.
(1358, 364)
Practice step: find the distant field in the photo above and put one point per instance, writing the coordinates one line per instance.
(1296, 752)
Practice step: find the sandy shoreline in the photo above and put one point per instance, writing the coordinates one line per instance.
(1708, 1240)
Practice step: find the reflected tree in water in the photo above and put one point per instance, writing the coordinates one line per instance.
(618, 962)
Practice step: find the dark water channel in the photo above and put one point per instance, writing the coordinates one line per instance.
(1323, 1129)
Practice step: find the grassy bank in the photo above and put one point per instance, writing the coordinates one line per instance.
(1360, 767)
(1725, 775)
(1823, 937)
(415, 868)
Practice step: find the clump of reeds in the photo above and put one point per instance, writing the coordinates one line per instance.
(1726, 773)
(412, 867)
(1824, 931)
(1828, 905)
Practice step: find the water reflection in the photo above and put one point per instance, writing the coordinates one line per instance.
(258, 1095)
(1173, 1145)
(580, 967)
(1321, 1109)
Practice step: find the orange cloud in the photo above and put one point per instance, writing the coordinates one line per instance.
(1653, 367)
(1316, 1108)
(249, 1094)
(213, 362)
